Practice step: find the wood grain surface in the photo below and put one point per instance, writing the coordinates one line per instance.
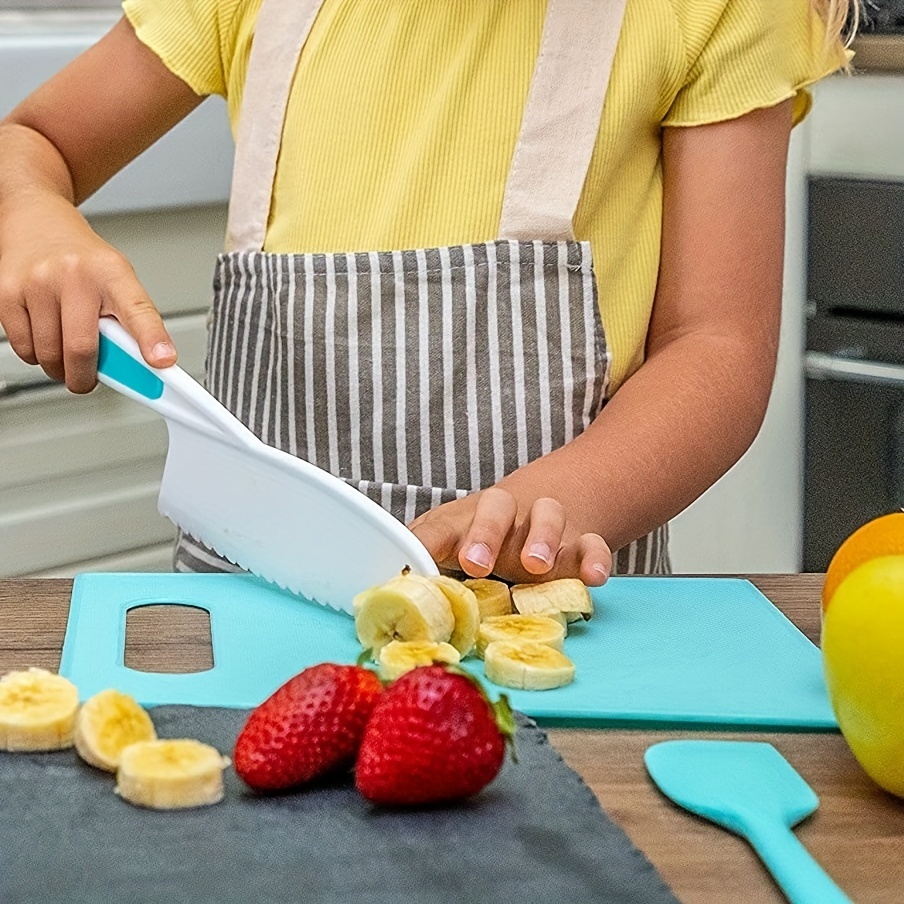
(857, 833)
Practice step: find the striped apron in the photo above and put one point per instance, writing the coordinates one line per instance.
(419, 376)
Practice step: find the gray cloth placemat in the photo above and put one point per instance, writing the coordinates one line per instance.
(537, 834)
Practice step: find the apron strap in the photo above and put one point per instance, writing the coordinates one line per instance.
(561, 119)
(280, 32)
(558, 130)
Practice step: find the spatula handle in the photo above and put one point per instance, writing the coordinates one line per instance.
(798, 875)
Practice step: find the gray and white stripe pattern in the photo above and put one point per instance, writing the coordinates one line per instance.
(439, 367)
(416, 376)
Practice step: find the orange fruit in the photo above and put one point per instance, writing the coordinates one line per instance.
(863, 657)
(880, 537)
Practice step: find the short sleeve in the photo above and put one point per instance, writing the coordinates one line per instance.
(195, 39)
(745, 55)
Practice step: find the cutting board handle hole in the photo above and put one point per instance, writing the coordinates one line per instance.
(168, 637)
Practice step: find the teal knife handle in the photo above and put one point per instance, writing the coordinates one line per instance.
(117, 364)
(169, 391)
(798, 875)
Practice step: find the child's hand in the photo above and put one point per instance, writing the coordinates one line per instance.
(484, 533)
(57, 277)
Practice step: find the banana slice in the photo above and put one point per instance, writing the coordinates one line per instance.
(106, 724)
(493, 597)
(170, 775)
(400, 656)
(556, 616)
(465, 611)
(536, 628)
(408, 607)
(568, 595)
(527, 665)
(37, 711)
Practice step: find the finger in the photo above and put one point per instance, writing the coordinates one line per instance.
(79, 316)
(17, 325)
(46, 331)
(493, 520)
(595, 560)
(588, 558)
(544, 537)
(439, 536)
(133, 308)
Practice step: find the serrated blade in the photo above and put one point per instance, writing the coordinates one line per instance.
(283, 519)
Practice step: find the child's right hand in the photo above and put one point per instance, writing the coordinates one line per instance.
(61, 144)
(57, 278)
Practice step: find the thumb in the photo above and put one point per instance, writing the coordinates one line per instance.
(440, 538)
(141, 319)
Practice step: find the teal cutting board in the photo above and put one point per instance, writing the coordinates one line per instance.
(660, 652)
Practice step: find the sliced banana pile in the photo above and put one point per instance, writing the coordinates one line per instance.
(113, 732)
(519, 632)
(39, 711)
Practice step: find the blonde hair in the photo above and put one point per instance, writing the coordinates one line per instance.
(841, 18)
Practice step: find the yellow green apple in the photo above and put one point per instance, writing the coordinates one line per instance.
(863, 655)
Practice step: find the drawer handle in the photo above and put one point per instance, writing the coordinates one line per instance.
(8, 389)
(819, 366)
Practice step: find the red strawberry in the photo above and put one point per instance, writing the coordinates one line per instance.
(310, 726)
(433, 736)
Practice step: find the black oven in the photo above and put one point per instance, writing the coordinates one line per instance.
(854, 361)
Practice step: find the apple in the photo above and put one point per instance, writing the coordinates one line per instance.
(863, 657)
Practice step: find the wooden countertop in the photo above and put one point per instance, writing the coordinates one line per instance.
(857, 833)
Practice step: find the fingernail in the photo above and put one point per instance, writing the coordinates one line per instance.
(601, 570)
(540, 551)
(479, 554)
(163, 350)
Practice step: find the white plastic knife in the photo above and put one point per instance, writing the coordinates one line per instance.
(269, 512)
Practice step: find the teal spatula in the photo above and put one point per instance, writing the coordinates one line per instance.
(749, 788)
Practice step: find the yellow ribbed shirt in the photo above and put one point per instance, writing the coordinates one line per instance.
(404, 114)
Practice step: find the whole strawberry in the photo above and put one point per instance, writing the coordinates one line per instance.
(309, 727)
(433, 736)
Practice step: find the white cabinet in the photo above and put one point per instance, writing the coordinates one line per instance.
(79, 475)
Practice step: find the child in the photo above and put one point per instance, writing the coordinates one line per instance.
(579, 335)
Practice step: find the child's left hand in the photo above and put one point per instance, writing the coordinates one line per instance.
(485, 533)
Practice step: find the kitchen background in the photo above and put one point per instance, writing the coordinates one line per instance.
(78, 476)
